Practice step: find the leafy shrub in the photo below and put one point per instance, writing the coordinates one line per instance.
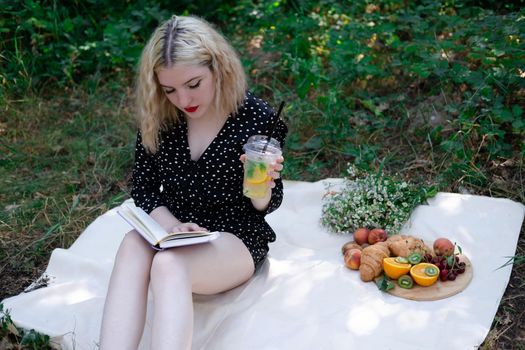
(61, 42)
(358, 74)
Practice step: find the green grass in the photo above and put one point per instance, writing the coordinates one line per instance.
(433, 91)
(65, 160)
(23, 339)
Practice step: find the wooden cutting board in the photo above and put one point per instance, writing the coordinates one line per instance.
(439, 290)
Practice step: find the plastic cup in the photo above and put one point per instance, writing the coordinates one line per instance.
(257, 165)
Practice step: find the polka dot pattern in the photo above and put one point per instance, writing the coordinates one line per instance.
(209, 191)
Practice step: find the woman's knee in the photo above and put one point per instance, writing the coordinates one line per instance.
(134, 248)
(168, 264)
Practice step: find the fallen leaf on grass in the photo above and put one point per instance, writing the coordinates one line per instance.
(11, 207)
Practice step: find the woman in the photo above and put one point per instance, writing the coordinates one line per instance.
(194, 117)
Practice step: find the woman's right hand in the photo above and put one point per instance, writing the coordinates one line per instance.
(187, 226)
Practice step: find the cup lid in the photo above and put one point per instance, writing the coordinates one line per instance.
(257, 143)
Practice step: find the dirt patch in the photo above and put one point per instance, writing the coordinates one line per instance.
(14, 281)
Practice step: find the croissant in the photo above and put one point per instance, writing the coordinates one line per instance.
(403, 245)
(372, 260)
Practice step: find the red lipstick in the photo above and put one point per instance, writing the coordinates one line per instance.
(191, 109)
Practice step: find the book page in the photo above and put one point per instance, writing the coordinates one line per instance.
(186, 234)
(155, 234)
(210, 236)
(145, 224)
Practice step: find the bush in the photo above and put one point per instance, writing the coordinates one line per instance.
(66, 42)
(448, 75)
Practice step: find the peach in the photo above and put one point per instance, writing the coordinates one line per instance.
(350, 245)
(377, 235)
(443, 246)
(361, 235)
(353, 259)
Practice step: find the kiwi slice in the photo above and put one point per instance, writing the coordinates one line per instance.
(405, 281)
(401, 260)
(415, 258)
(431, 271)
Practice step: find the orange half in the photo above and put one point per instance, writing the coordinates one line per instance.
(394, 269)
(420, 277)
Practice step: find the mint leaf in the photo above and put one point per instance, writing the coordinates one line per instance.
(250, 168)
(384, 284)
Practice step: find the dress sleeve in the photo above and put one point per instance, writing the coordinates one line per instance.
(146, 183)
(279, 134)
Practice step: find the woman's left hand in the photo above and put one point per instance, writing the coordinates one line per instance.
(275, 171)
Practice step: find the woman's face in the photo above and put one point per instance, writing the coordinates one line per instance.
(191, 88)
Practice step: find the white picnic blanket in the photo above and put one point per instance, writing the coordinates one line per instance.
(303, 297)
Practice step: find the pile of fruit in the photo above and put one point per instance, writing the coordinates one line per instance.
(447, 261)
(403, 258)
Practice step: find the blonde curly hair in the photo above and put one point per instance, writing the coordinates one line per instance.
(186, 40)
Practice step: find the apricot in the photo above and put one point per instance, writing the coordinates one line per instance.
(353, 259)
(377, 235)
(361, 235)
(443, 246)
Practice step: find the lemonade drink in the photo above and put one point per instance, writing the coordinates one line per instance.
(257, 165)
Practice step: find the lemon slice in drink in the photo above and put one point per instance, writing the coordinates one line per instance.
(256, 172)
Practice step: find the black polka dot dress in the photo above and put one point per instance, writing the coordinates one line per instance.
(209, 191)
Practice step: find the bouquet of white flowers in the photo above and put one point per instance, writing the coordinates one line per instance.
(371, 200)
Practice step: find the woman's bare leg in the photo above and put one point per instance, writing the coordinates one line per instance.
(125, 309)
(203, 269)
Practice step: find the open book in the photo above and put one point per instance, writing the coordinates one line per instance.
(155, 234)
